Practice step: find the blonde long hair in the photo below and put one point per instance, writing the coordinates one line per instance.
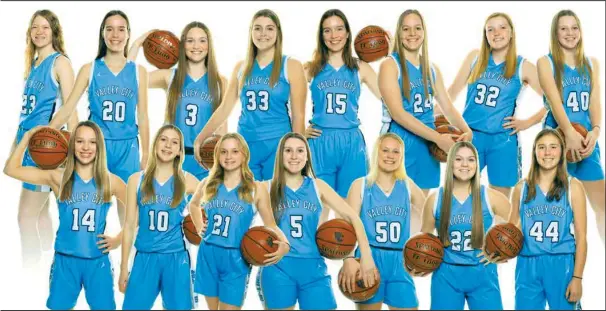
(560, 183)
(57, 41)
(373, 173)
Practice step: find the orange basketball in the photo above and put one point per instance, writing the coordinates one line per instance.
(161, 49)
(371, 43)
(581, 130)
(257, 242)
(336, 239)
(435, 151)
(67, 135)
(207, 151)
(48, 148)
(439, 120)
(423, 252)
(361, 293)
(189, 230)
(505, 240)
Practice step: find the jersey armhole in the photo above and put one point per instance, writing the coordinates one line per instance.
(435, 202)
(171, 78)
(570, 191)
(285, 66)
(253, 205)
(521, 71)
(313, 181)
(397, 65)
(522, 194)
(433, 73)
(362, 189)
(136, 73)
(473, 63)
(92, 73)
(52, 72)
(552, 65)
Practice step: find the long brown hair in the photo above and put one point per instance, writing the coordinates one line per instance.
(511, 58)
(560, 183)
(102, 50)
(216, 176)
(215, 85)
(477, 231)
(252, 49)
(424, 57)
(57, 41)
(100, 171)
(147, 184)
(276, 194)
(558, 55)
(320, 56)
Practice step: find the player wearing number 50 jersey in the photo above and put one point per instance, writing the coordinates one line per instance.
(271, 89)
(461, 211)
(495, 77)
(194, 89)
(384, 199)
(157, 202)
(84, 189)
(117, 96)
(572, 94)
(549, 207)
(230, 198)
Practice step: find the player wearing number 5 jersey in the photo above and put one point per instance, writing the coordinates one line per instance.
(461, 211)
(117, 96)
(156, 204)
(84, 189)
(495, 77)
(571, 81)
(549, 207)
(384, 199)
(194, 89)
(230, 198)
(337, 145)
(408, 84)
(271, 89)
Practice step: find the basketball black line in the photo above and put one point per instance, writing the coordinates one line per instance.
(414, 264)
(194, 234)
(265, 249)
(503, 231)
(344, 228)
(428, 239)
(499, 249)
(426, 254)
(160, 44)
(248, 257)
(372, 51)
(45, 151)
(330, 242)
(58, 141)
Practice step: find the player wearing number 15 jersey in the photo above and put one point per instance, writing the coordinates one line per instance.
(495, 77)
(549, 207)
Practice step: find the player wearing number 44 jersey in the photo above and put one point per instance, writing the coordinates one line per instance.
(495, 77)
(157, 207)
(84, 189)
(384, 199)
(461, 211)
(269, 85)
(117, 95)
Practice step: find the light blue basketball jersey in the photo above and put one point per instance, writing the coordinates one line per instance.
(265, 109)
(548, 227)
(418, 104)
(229, 218)
(492, 97)
(460, 251)
(113, 100)
(41, 95)
(576, 91)
(386, 219)
(81, 218)
(194, 108)
(298, 216)
(335, 94)
(159, 223)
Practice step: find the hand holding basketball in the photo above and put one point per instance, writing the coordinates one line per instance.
(348, 274)
(368, 270)
(589, 142)
(139, 41)
(272, 258)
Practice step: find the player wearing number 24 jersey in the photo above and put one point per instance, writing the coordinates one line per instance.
(117, 95)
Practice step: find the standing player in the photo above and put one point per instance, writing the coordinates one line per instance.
(551, 263)
(83, 189)
(495, 77)
(269, 86)
(117, 95)
(156, 204)
(408, 84)
(298, 202)
(49, 79)
(461, 211)
(194, 89)
(231, 199)
(338, 148)
(384, 199)
(571, 81)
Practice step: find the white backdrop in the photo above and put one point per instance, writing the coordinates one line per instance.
(453, 29)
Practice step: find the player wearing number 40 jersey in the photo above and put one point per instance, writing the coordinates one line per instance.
(549, 207)
(495, 77)
(271, 89)
(384, 199)
(84, 189)
(194, 89)
(117, 95)
(461, 211)
(157, 207)
(230, 197)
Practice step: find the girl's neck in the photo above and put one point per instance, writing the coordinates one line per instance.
(570, 57)
(413, 56)
(293, 181)
(265, 57)
(386, 181)
(499, 56)
(164, 170)
(85, 171)
(114, 57)
(232, 178)
(459, 186)
(546, 178)
(335, 59)
(44, 52)
(196, 70)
